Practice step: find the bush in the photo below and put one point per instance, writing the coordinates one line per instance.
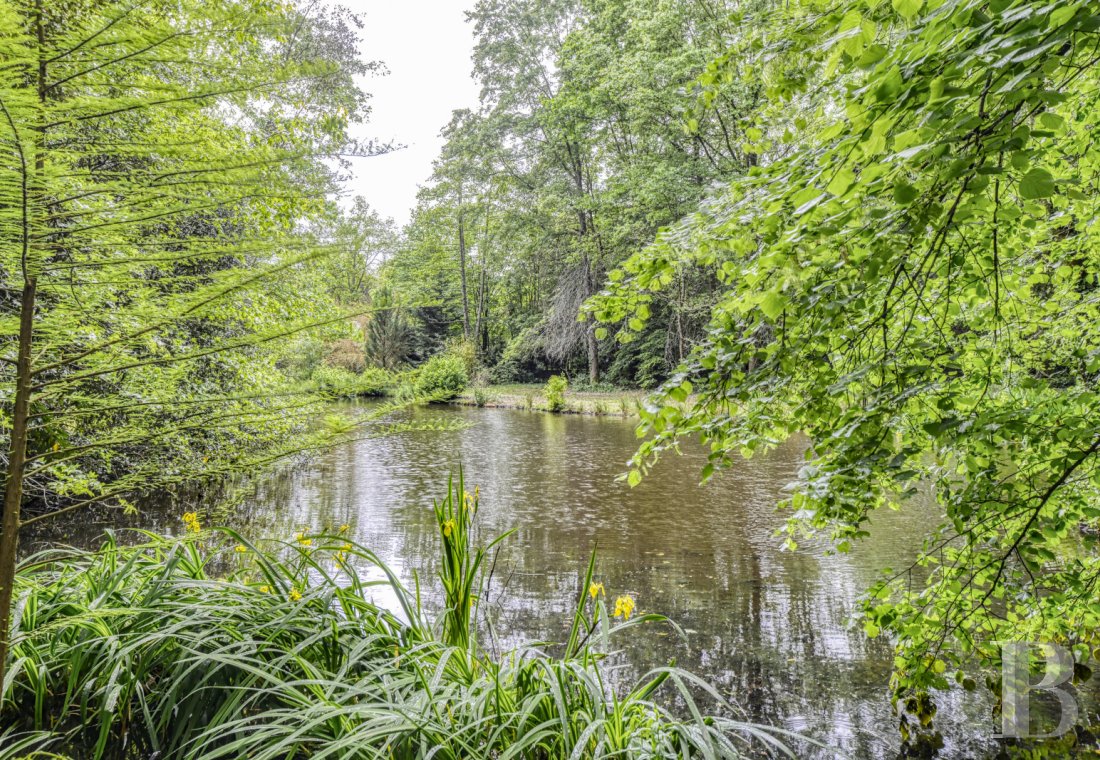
(373, 381)
(466, 350)
(337, 379)
(555, 393)
(388, 330)
(347, 354)
(442, 377)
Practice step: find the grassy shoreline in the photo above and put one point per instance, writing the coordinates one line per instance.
(531, 397)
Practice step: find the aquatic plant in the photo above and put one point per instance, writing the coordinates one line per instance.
(481, 395)
(212, 646)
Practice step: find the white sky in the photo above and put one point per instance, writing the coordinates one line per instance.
(426, 45)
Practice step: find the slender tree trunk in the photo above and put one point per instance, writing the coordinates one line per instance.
(17, 455)
(590, 328)
(590, 337)
(13, 486)
(680, 319)
(462, 272)
(480, 326)
(584, 228)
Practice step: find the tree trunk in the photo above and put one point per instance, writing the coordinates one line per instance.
(481, 328)
(462, 273)
(13, 486)
(590, 328)
(17, 455)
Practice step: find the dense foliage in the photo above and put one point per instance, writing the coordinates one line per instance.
(163, 215)
(873, 223)
(443, 376)
(577, 154)
(152, 231)
(910, 278)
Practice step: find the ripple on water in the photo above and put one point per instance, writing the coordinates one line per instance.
(768, 626)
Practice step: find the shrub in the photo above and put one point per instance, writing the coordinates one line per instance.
(466, 350)
(389, 332)
(347, 354)
(481, 395)
(442, 377)
(374, 381)
(341, 382)
(555, 393)
(335, 379)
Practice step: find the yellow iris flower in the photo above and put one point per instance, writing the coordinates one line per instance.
(624, 607)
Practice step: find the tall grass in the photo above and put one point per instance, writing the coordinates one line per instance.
(213, 647)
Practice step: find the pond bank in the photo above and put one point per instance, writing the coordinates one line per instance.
(532, 398)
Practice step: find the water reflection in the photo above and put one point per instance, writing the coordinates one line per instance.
(769, 627)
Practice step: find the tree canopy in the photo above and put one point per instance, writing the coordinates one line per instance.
(162, 163)
(910, 278)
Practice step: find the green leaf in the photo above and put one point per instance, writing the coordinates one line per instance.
(841, 181)
(1062, 14)
(907, 9)
(773, 304)
(807, 199)
(1051, 121)
(851, 28)
(1037, 183)
(904, 193)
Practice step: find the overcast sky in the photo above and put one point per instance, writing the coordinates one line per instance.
(426, 44)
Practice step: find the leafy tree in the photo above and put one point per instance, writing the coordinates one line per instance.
(388, 331)
(578, 154)
(909, 278)
(160, 159)
(361, 240)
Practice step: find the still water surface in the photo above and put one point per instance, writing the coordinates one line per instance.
(770, 627)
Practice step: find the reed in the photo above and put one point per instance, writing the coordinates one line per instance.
(212, 646)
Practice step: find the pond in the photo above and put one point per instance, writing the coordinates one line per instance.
(770, 627)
